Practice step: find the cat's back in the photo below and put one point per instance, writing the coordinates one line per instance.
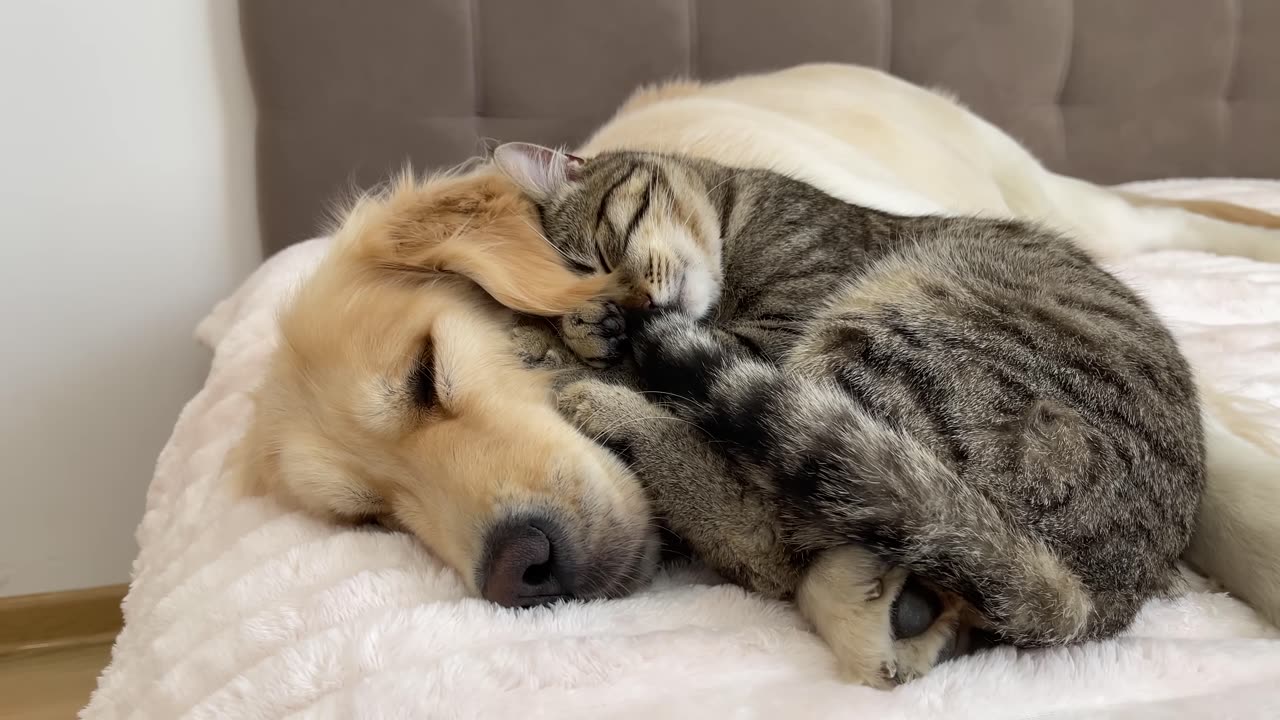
(1032, 372)
(788, 245)
(999, 311)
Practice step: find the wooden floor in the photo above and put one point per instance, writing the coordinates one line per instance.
(50, 684)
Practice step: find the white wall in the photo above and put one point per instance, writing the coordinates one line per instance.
(127, 210)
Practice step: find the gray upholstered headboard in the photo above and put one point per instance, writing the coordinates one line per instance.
(1110, 90)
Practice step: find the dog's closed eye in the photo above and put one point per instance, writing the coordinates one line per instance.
(422, 379)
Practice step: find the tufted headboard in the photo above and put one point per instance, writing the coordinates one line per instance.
(1109, 90)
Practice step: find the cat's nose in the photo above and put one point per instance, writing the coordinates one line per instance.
(638, 299)
(651, 302)
(645, 300)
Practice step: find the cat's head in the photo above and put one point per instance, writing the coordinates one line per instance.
(643, 218)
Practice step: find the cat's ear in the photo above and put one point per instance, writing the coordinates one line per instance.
(539, 171)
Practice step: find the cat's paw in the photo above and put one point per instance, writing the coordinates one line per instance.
(597, 334)
(928, 628)
(844, 595)
(885, 626)
(538, 347)
(602, 411)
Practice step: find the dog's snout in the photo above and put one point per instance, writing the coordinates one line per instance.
(525, 567)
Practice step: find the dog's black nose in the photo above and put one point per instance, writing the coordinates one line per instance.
(523, 566)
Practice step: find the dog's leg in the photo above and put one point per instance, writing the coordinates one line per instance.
(731, 525)
(1217, 209)
(953, 626)
(1109, 223)
(1111, 226)
(1237, 537)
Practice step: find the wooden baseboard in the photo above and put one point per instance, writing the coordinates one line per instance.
(60, 619)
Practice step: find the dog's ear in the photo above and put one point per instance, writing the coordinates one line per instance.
(252, 464)
(256, 469)
(539, 171)
(482, 227)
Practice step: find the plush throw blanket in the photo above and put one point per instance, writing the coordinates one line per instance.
(241, 610)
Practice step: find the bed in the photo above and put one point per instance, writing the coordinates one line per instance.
(239, 609)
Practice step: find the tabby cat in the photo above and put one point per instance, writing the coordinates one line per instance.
(971, 400)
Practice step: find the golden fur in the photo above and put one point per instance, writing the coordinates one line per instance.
(1216, 209)
(336, 430)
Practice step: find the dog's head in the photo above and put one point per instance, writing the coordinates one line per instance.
(395, 396)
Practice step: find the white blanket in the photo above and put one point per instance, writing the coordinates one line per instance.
(240, 610)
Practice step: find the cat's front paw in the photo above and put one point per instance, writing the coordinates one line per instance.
(604, 412)
(537, 346)
(597, 334)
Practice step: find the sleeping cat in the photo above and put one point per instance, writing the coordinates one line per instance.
(973, 401)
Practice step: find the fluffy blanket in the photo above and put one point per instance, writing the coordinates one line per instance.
(241, 610)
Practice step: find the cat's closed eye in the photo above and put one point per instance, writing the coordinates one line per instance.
(604, 263)
(580, 267)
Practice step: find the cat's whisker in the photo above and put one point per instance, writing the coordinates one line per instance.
(677, 396)
(608, 432)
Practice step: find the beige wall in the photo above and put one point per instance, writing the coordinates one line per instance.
(126, 207)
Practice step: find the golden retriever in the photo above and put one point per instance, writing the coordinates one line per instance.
(395, 395)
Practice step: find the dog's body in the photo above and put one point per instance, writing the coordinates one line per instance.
(874, 140)
(396, 393)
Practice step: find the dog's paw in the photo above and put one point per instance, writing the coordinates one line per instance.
(538, 347)
(597, 334)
